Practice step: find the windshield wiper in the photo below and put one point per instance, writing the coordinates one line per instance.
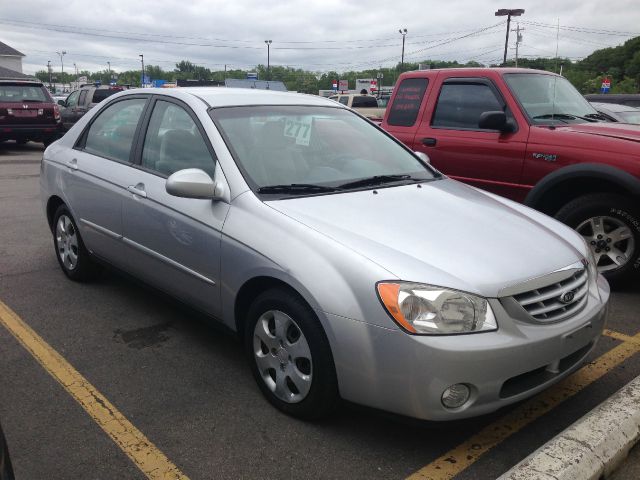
(296, 188)
(377, 180)
(565, 116)
(597, 116)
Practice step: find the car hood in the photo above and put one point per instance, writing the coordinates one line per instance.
(611, 130)
(443, 233)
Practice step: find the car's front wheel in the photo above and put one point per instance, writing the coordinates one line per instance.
(290, 355)
(610, 224)
(73, 257)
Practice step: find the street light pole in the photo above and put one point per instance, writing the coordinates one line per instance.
(268, 42)
(49, 70)
(513, 12)
(403, 32)
(61, 55)
(76, 69)
(109, 72)
(142, 77)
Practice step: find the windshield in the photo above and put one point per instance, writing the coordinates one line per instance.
(22, 93)
(545, 96)
(630, 117)
(315, 149)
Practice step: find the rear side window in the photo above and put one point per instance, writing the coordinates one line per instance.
(344, 100)
(460, 105)
(364, 102)
(111, 133)
(406, 105)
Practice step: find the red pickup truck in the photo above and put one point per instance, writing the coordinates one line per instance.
(530, 136)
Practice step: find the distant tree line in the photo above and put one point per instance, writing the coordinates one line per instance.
(621, 64)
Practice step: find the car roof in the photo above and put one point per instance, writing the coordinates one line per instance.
(613, 107)
(228, 97)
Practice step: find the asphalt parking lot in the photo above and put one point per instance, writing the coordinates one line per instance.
(187, 389)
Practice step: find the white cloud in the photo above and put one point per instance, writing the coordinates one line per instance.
(340, 35)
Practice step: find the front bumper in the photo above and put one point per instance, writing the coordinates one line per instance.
(407, 374)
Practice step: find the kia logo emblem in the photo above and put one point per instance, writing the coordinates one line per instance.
(567, 297)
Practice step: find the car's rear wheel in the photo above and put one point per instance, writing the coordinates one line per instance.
(74, 259)
(290, 355)
(610, 224)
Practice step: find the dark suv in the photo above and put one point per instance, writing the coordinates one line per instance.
(79, 102)
(27, 112)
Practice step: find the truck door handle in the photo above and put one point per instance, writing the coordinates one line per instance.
(73, 164)
(429, 142)
(137, 190)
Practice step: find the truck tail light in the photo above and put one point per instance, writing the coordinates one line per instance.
(56, 112)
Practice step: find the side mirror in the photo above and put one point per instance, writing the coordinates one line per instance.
(194, 183)
(62, 103)
(494, 121)
(423, 156)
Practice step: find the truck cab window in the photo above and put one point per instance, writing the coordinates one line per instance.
(460, 105)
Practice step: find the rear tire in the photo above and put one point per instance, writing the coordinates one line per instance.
(74, 259)
(290, 355)
(611, 226)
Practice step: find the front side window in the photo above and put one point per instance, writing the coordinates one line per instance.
(72, 99)
(111, 133)
(461, 104)
(344, 100)
(83, 97)
(313, 149)
(173, 142)
(547, 98)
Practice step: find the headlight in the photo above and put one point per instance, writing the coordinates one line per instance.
(425, 309)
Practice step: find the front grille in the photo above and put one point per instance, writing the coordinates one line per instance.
(557, 301)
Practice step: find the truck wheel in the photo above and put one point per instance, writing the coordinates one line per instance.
(290, 355)
(611, 226)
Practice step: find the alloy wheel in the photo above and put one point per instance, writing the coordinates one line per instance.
(67, 242)
(610, 240)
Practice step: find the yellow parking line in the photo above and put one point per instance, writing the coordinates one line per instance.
(621, 336)
(455, 461)
(153, 463)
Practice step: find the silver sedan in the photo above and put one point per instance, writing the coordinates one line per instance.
(348, 265)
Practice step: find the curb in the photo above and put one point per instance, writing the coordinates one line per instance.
(591, 448)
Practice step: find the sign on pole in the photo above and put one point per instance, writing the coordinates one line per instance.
(344, 85)
(334, 85)
(606, 85)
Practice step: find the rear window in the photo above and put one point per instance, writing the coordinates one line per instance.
(101, 93)
(406, 104)
(22, 93)
(364, 102)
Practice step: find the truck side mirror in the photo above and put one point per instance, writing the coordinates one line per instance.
(62, 103)
(494, 121)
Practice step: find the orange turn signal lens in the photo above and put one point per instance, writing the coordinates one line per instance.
(389, 295)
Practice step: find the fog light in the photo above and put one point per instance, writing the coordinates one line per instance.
(456, 395)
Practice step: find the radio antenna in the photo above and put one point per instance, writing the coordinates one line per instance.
(555, 79)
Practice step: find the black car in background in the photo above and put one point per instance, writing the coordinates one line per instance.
(28, 112)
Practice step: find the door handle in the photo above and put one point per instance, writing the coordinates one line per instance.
(137, 190)
(73, 164)
(429, 142)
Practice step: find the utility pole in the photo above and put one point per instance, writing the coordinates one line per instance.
(268, 42)
(514, 12)
(142, 78)
(76, 69)
(403, 32)
(109, 72)
(518, 40)
(49, 70)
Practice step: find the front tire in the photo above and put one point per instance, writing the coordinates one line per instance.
(290, 355)
(74, 259)
(611, 226)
